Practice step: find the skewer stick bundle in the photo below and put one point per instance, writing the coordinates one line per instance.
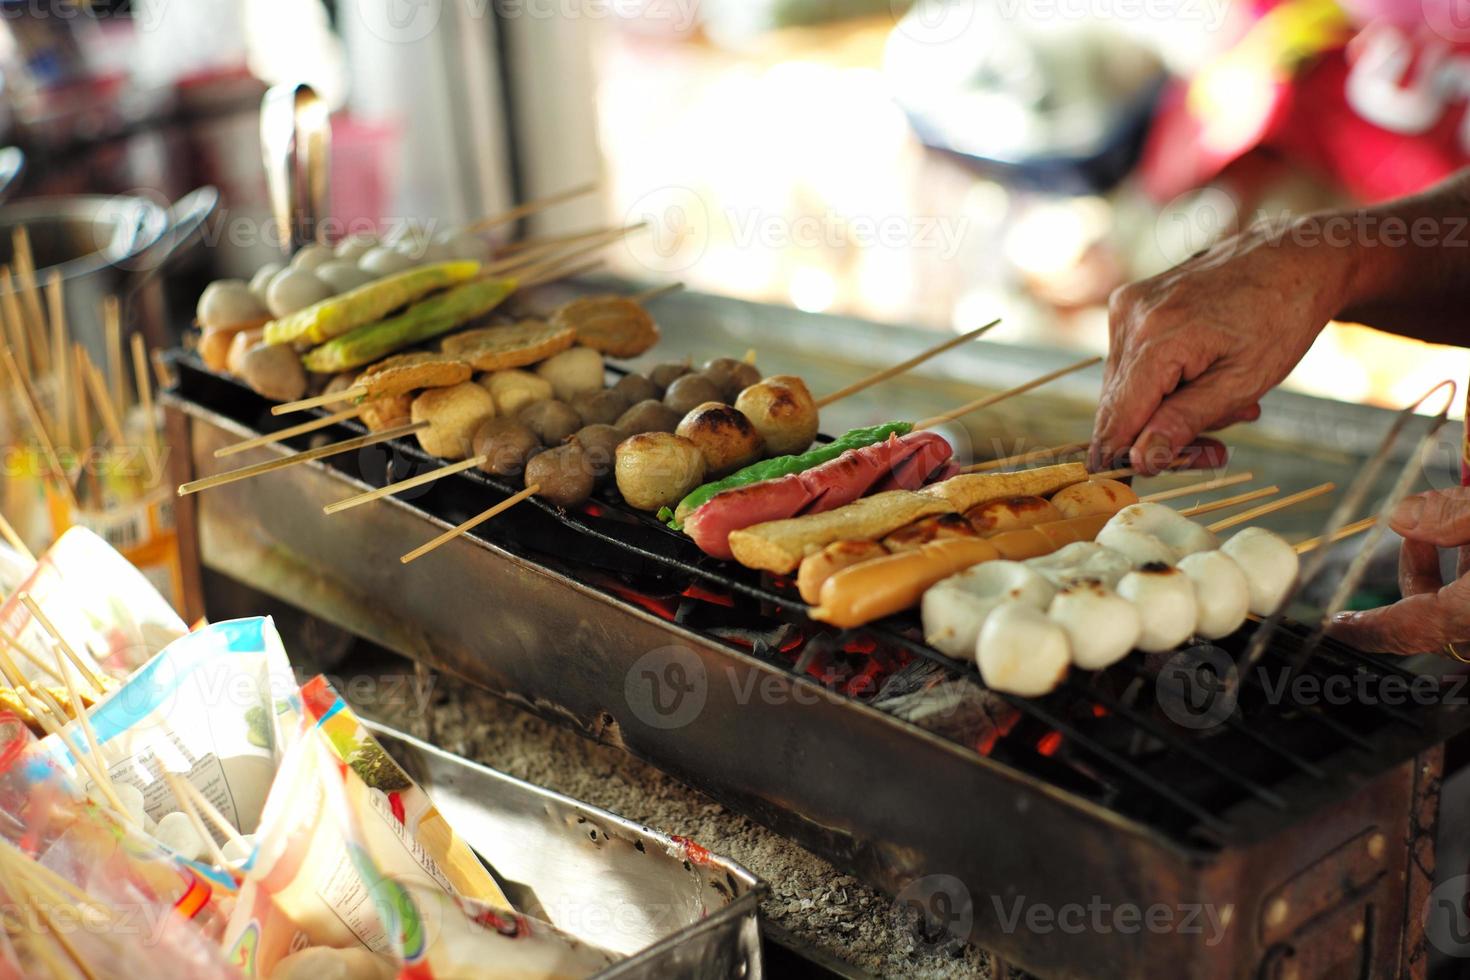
(1001, 396)
(473, 522)
(144, 385)
(316, 401)
(97, 684)
(186, 806)
(38, 426)
(15, 645)
(102, 398)
(60, 360)
(35, 319)
(1290, 500)
(408, 484)
(306, 456)
(910, 364)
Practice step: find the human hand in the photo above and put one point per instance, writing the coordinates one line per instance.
(1196, 347)
(1431, 615)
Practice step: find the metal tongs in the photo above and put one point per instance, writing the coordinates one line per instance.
(1350, 503)
(296, 144)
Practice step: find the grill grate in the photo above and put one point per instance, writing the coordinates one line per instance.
(1115, 750)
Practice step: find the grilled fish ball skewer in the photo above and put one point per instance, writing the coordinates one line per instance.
(782, 411)
(955, 610)
(1154, 533)
(689, 392)
(636, 388)
(731, 375)
(574, 371)
(514, 389)
(1093, 497)
(507, 445)
(600, 444)
(1221, 592)
(1021, 651)
(664, 375)
(600, 407)
(1270, 565)
(724, 435)
(454, 414)
(656, 469)
(649, 415)
(563, 475)
(553, 421)
(1102, 627)
(1167, 606)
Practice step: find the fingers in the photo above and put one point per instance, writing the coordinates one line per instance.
(1180, 417)
(1249, 413)
(1419, 568)
(1437, 517)
(1130, 396)
(1421, 623)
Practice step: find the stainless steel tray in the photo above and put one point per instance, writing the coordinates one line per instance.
(672, 908)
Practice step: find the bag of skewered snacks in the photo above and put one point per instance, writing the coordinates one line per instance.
(127, 908)
(202, 709)
(110, 614)
(340, 882)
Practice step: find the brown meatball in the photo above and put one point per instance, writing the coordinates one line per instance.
(732, 375)
(666, 374)
(657, 469)
(691, 391)
(600, 407)
(782, 411)
(649, 416)
(507, 443)
(562, 475)
(636, 388)
(600, 443)
(551, 420)
(274, 371)
(726, 437)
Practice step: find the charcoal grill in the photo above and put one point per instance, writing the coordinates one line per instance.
(1306, 830)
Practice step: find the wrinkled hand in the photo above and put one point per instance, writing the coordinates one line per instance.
(1431, 614)
(1196, 347)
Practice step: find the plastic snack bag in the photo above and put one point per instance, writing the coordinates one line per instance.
(106, 609)
(129, 910)
(202, 708)
(329, 872)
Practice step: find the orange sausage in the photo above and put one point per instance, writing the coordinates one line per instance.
(935, 528)
(883, 586)
(816, 569)
(1011, 513)
(1093, 497)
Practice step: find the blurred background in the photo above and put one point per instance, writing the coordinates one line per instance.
(935, 163)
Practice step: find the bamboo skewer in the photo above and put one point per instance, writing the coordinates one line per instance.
(112, 329)
(473, 522)
(1342, 533)
(99, 767)
(15, 328)
(35, 661)
(35, 320)
(1203, 487)
(29, 601)
(911, 363)
(186, 807)
(210, 812)
(563, 272)
(306, 456)
(144, 385)
(60, 360)
(1271, 508)
(7, 531)
(1248, 497)
(657, 292)
(316, 401)
(540, 253)
(254, 442)
(1124, 472)
(1001, 396)
(38, 425)
(1052, 452)
(415, 481)
(531, 207)
(103, 400)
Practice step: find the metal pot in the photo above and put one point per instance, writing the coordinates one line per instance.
(108, 246)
